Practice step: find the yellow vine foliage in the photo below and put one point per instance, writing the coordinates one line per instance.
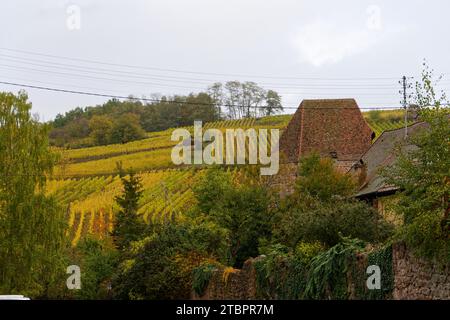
(226, 273)
(87, 183)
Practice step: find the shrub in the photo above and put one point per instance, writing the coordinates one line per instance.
(160, 265)
(327, 222)
(239, 208)
(282, 273)
(98, 263)
(321, 209)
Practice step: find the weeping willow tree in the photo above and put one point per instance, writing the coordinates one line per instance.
(31, 224)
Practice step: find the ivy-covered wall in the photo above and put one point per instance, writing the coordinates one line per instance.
(339, 273)
(219, 283)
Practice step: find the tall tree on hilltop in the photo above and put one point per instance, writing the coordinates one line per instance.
(273, 101)
(215, 91)
(246, 99)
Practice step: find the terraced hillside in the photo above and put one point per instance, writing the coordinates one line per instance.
(86, 181)
(90, 200)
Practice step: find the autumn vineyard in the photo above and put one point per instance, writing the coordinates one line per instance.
(86, 181)
(209, 159)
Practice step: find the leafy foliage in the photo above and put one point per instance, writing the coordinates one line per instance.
(31, 224)
(120, 122)
(320, 210)
(98, 262)
(100, 129)
(383, 259)
(282, 273)
(239, 208)
(160, 265)
(319, 179)
(422, 172)
(201, 276)
(328, 276)
(309, 272)
(125, 129)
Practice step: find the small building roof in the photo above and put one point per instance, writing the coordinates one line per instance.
(382, 154)
(331, 127)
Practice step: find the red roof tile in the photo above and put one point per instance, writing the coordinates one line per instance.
(330, 127)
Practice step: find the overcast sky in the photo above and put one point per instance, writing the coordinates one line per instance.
(302, 49)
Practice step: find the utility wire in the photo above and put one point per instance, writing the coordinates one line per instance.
(163, 101)
(305, 94)
(187, 71)
(55, 65)
(66, 74)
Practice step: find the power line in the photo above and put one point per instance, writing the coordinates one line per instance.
(67, 74)
(303, 94)
(63, 66)
(104, 95)
(188, 71)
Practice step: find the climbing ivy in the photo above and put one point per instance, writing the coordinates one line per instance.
(311, 272)
(307, 273)
(282, 272)
(328, 274)
(201, 276)
(383, 259)
(280, 276)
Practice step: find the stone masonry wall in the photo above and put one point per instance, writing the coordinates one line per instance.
(416, 279)
(237, 285)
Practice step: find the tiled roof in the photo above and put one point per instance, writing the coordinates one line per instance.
(381, 154)
(344, 166)
(330, 127)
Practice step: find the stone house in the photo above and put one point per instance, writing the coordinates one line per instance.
(333, 128)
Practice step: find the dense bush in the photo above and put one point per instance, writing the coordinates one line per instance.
(201, 276)
(327, 222)
(321, 209)
(239, 207)
(160, 265)
(98, 262)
